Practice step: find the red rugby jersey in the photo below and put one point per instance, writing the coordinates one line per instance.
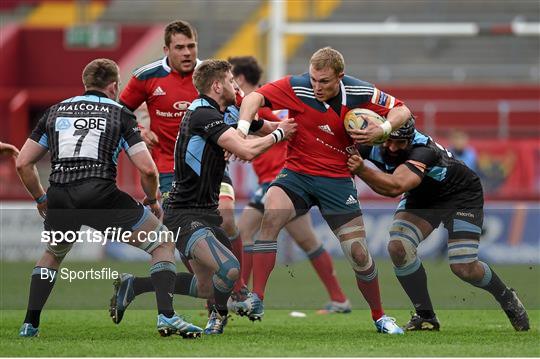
(319, 145)
(167, 95)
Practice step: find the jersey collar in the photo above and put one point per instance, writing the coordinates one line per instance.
(95, 93)
(165, 64)
(343, 96)
(211, 101)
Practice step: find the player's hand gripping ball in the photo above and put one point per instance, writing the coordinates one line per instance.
(359, 118)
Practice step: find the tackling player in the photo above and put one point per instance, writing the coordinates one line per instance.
(247, 74)
(437, 188)
(166, 86)
(84, 135)
(191, 210)
(316, 172)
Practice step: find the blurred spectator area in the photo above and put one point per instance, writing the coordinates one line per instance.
(487, 86)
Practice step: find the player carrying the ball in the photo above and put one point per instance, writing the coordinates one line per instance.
(316, 173)
(437, 188)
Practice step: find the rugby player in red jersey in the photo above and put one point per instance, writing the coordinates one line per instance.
(316, 172)
(247, 74)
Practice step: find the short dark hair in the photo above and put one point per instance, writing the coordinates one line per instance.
(209, 71)
(179, 27)
(247, 66)
(99, 73)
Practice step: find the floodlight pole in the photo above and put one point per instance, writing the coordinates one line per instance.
(276, 54)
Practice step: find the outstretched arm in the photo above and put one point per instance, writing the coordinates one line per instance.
(248, 149)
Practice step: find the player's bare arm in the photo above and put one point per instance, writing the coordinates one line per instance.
(390, 185)
(248, 149)
(8, 149)
(30, 154)
(395, 118)
(142, 160)
(250, 105)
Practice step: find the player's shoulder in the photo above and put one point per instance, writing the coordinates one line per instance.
(300, 82)
(156, 69)
(420, 140)
(357, 91)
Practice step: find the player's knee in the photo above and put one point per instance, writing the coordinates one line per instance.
(404, 239)
(356, 252)
(58, 251)
(397, 252)
(227, 274)
(359, 255)
(465, 271)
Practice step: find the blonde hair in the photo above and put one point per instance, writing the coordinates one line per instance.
(327, 57)
(99, 73)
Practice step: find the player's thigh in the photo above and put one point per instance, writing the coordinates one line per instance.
(278, 208)
(464, 230)
(226, 206)
(302, 232)
(207, 250)
(424, 224)
(338, 201)
(249, 223)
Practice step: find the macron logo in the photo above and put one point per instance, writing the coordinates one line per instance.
(351, 200)
(327, 129)
(158, 91)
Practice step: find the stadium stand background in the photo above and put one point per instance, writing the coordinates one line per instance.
(487, 86)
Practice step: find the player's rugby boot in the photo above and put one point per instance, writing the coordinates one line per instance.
(216, 323)
(336, 307)
(177, 325)
(387, 325)
(122, 296)
(235, 298)
(28, 331)
(252, 307)
(515, 311)
(419, 323)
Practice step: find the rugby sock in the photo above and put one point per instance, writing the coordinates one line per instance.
(41, 285)
(264, 259)
(493, 284)
(322, 262)
(247, 263)
(163, 276)
(368, 283)
(221, 296)
(237, 249)
(415, 285)
(142, 285)
(185, 284)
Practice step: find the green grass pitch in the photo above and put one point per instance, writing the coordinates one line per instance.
(76, 323)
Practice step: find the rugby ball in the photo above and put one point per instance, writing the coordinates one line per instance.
(358, 118)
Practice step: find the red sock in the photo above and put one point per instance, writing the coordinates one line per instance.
(368, 283)
(237, 250)
(247, 262)
(264, 259)
(322, 262)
